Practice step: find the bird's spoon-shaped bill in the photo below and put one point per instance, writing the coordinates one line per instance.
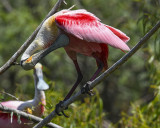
(61, 41)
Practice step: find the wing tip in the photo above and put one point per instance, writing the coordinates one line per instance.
(126, 39)
(126, 48)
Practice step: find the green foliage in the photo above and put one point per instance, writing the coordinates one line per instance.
(87, 113)
(146, 115)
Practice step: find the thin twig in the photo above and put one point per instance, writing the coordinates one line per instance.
(29, 40)
(27, 116)
(71, 7)
(6, 5)
(9, 95)
(101, 77)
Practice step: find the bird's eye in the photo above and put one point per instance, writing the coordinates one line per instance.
(22, 61)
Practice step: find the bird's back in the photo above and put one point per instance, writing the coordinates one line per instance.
(12, 104)
(86, 26)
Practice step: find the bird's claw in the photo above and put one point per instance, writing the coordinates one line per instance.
(85, 89)
(59, 105)
(65, 114)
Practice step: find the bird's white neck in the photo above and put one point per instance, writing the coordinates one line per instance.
(39, 97)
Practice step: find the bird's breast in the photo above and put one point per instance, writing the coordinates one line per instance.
(81, 46)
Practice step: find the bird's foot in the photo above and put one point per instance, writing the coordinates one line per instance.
(86, 90)
(60, 105)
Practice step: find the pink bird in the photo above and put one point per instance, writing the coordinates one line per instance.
(35, 106)
(78, 31)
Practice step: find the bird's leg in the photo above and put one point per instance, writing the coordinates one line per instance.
(79, 79)
(100, 68)
(59, 105)
(85, 88)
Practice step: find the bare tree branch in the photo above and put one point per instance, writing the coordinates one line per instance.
(9, 95)
(27, 116)
(101, 77)
(28, 41)
(6, 5)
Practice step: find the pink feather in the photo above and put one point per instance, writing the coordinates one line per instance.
(86, 26)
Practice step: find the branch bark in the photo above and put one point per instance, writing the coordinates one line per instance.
(6, 5)
(29, 40)
(9, 95)
(101, 77)
(27, 116)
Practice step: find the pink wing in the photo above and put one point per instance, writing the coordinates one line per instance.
(86, 26)
(12, 104)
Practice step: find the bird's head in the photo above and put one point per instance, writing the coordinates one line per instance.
(38, 74)
(48, 39)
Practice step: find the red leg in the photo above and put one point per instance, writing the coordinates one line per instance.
(85, 88)
(79, 79)
(100, 67)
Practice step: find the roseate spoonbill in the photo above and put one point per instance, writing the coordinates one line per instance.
(78, 31)
(35, 106)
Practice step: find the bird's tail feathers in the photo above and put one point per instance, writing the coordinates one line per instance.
(103, 56)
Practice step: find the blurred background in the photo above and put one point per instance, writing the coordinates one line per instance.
(129, 97)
